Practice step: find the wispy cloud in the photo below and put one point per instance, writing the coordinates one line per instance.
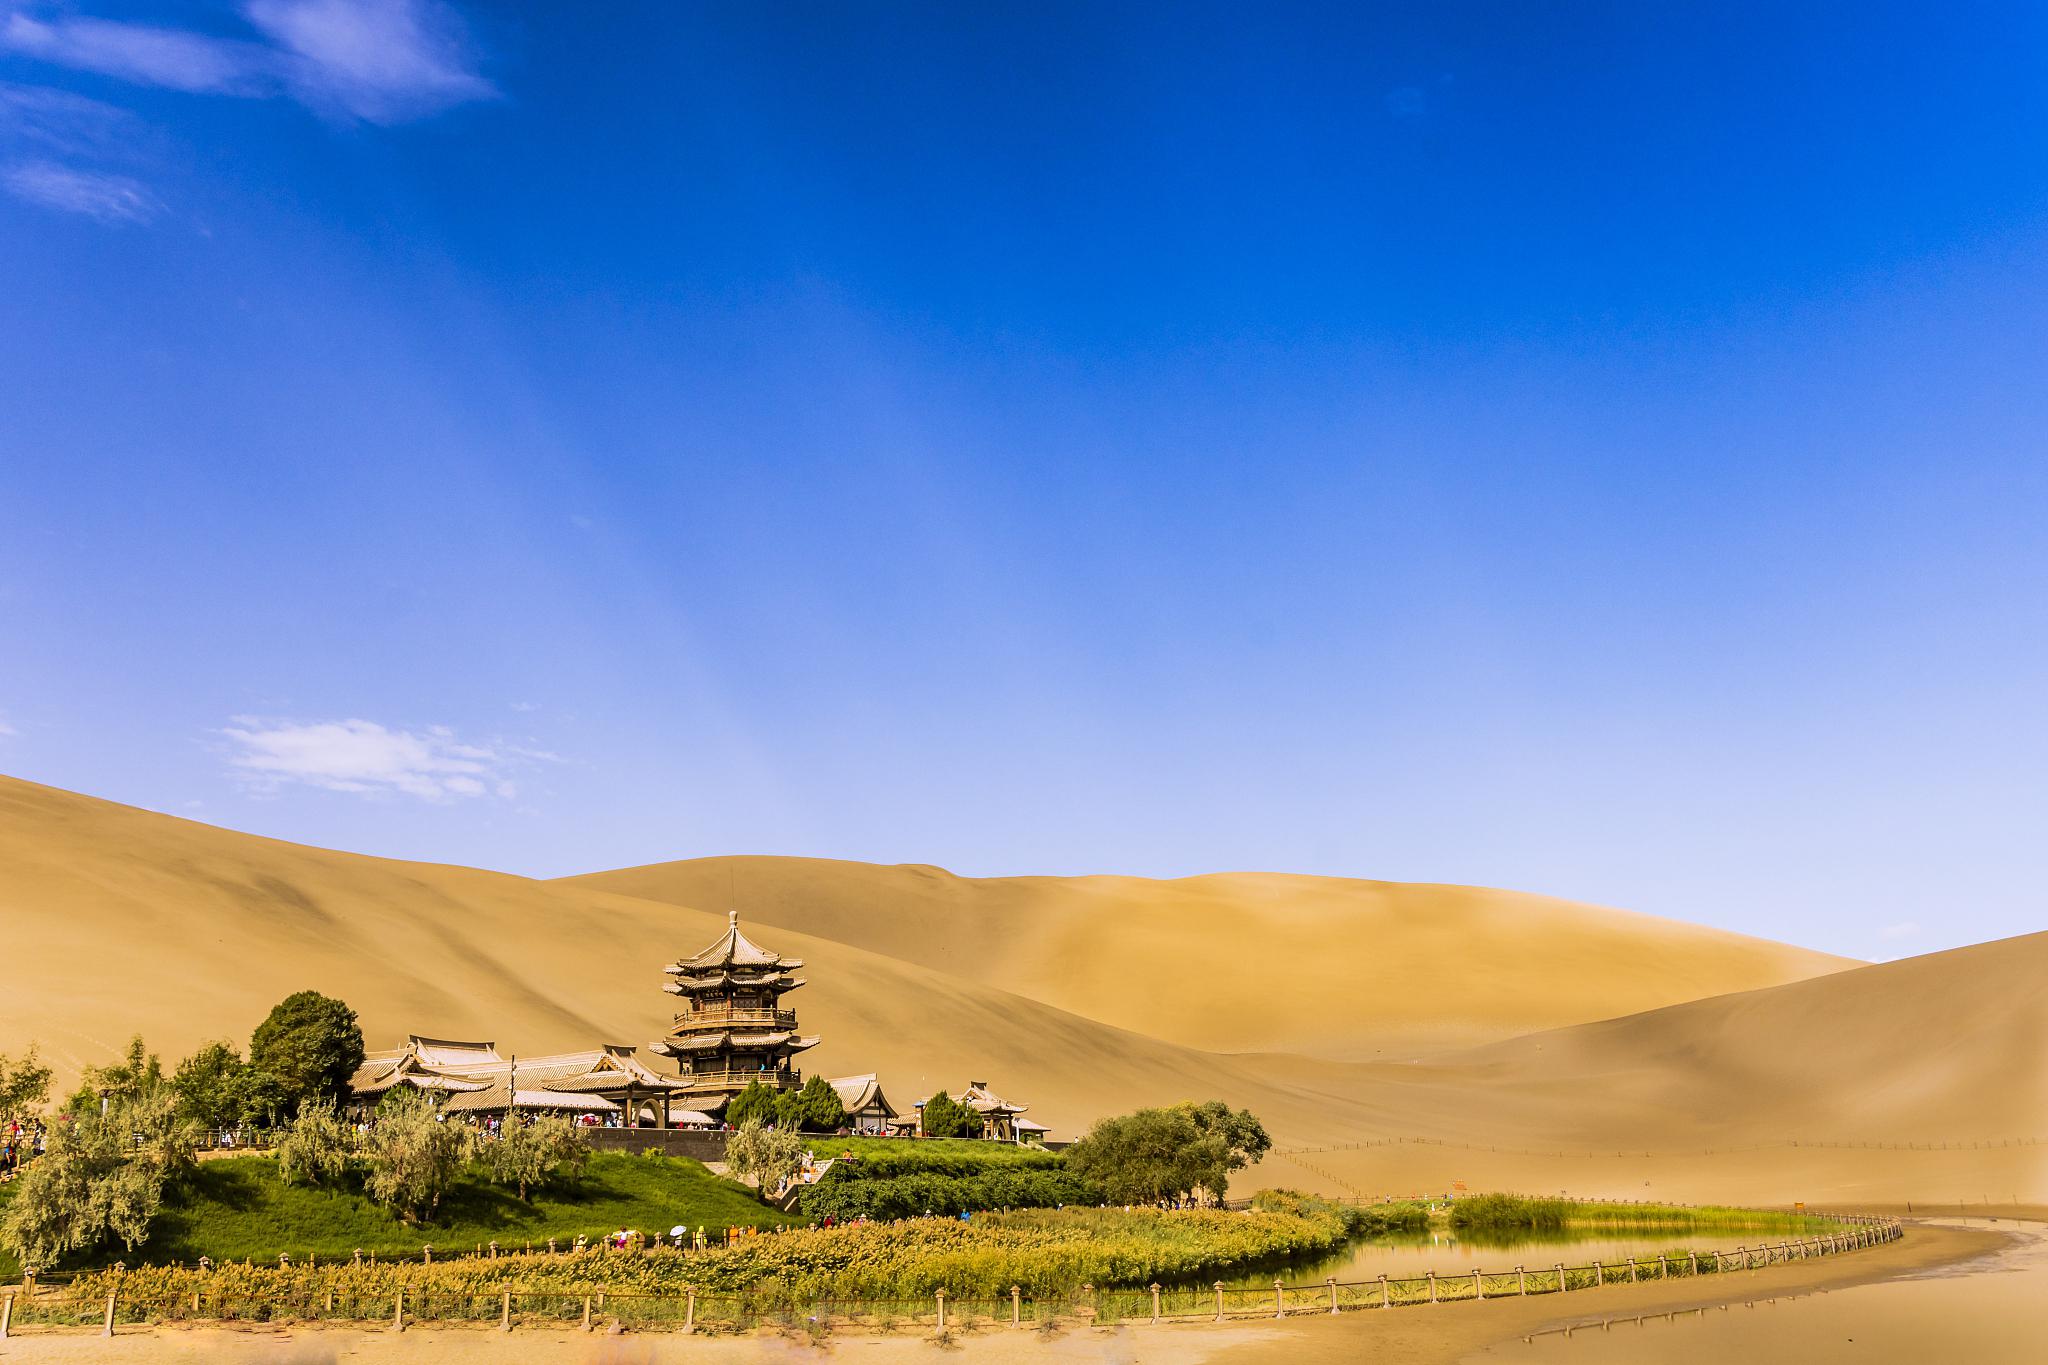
(96, 194)
(60, 122)
(378, 61)
(364, 757)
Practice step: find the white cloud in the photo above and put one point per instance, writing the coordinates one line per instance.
(96, 194)
(381, 61)
(61, 122)
(169, 57)
(363, 756)
(1903, 929)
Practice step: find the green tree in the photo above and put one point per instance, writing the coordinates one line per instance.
(24, 1086)
(1166, 1154)
(944, 1116)
(213, 1086)
(414, 1155)
(815, 1108)
(311, 1045)
(756, 1104)
(102, 1087)
(318, 1148)
(767, 1156)
(526, 1155)
(103, 1176)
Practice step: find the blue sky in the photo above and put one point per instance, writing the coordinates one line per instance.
(1595, 451)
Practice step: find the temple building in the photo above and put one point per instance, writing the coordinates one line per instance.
(733, 1030)
(607, 1084)
(1001, 1120)
(868, 1111)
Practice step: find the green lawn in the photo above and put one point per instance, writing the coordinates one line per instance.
(237, 1208)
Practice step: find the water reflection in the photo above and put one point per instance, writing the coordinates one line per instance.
(1402, 1255)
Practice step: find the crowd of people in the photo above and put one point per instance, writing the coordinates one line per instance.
(21, 1140)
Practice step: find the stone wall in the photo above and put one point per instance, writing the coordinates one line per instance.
(697, 1144)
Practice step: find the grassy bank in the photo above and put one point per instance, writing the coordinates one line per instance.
(238, 1208)
(896, 1179)
(1514, 1213)
(1045, 1251)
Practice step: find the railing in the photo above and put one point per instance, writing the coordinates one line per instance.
(340, 1292)
(723, 1015)
(788, 1078)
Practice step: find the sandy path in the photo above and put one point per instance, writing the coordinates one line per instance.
(1918, 1275)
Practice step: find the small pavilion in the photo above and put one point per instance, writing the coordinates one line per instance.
(868, 1111)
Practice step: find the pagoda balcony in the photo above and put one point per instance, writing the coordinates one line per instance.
(789, 1078)
(722, 1015)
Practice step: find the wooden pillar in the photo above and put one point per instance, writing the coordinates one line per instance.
(1521, 1281)
(1279, 1299)
(398, 1313)
(586, 1312)
(6, 1315)
(505, 1312)
(1478, 1285)
(1331, 1280)
(690, 1309)
(1016, 1306)
(941, 1296)
(1155, 1302)
(1219, 1300)
(1432, 1284)
(1562, 1283)
(1386, 1295)
(109, 1329)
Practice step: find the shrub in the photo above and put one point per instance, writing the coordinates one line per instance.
(103, 1176)
(768, 1156)
(530, 1154)
(318, 1148)
(414, 1156)
(212, 1086)
(24, 1087)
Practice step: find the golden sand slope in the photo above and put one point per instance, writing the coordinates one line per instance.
(114, 920)
(1325, 966)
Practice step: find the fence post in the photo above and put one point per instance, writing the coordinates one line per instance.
(1599, 1274)
(505, 1311)
(1563, 1284)
(586, 1312)
(690, 1308)
(1155, 1302)
(1478, 1285)
(1633, 1277)
(1016, 1306)
(1432, 1285)
(1693, 1264)
(1521, 1281)
(6, 1315)
(1219, 1300)
(398, 1313)
(942, 1311)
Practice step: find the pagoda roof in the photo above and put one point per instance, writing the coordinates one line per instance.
(493, 1098)
(858, 1094)
(733, 949)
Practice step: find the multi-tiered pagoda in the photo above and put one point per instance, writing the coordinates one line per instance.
(733, 1030)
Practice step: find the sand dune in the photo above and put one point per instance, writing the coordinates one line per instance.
(1323, 966)
(117, 920)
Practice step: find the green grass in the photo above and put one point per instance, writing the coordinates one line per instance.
(238, 1208)
(1506, 1213)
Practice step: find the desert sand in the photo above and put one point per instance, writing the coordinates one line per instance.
(1321, 966)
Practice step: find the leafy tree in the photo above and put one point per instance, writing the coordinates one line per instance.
(944, 1116)
(768, 1156)
(24, 1087)
(816, 1108)
(118, 1082)
(213, 1086)
(756, 1104)
(318, 1148)
(310, 1044)
(529, 1154)
(1165, 1154)
(103, 1176)
(414, 1156)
